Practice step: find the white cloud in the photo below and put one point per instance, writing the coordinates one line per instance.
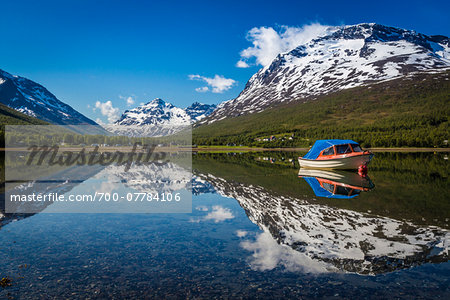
(218, 83)
(268, 43)
(107, 109)
(100, 122)
(242, 64)
(202, 89)
(130, 99)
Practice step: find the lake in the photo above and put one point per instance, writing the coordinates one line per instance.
(259, 227)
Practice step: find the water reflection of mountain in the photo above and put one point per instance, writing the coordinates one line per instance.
(60, 182)
(167, 177)
(409, 186)
(345, 239)
(339, 236)
(156, 176)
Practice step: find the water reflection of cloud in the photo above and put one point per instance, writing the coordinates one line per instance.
(217, 214)
(201, 208)
(241, 233)
(268, 254)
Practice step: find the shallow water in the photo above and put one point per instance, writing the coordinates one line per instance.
(256, 230)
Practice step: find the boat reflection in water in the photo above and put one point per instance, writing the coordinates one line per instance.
(336, 184)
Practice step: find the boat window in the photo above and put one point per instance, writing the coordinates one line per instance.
(356, 148)
(328, 151)
(342, 149)
(329, 187)
(346, 191)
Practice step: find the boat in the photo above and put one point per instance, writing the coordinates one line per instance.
(336, 184)
(335, 154)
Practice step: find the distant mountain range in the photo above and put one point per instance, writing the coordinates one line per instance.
(158, 118)
(346, 57)
(34, 100)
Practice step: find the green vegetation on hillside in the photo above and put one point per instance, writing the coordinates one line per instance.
(9, 116)
(410, 111)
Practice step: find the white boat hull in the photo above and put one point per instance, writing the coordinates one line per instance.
(343, 163)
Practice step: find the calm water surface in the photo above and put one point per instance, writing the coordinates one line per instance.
(258, 228)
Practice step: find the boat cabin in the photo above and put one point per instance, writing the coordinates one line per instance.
(336, 154)
(336, 188)
(342, 150)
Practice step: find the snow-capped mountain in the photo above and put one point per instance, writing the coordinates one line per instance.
(33, 99)
(158, 118)
(345, 57)
(198, 111)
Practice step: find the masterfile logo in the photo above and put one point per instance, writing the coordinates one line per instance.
(76, 169)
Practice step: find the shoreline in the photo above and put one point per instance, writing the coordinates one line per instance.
(229, 149)
(414, 149)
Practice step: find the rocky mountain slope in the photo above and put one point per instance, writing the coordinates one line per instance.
(348, 57)
(158, 118)
(34, 100)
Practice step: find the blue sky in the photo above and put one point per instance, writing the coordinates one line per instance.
(89, 51)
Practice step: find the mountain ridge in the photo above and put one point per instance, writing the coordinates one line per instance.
(409, 111)
(350, 56)
(33, 99)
